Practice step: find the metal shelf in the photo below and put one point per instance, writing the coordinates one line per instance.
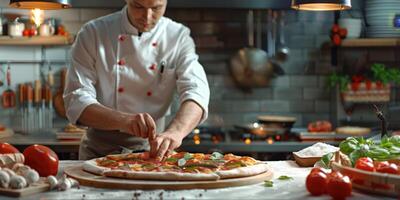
(36, 41)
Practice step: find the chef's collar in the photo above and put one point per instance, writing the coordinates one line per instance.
(128, 28)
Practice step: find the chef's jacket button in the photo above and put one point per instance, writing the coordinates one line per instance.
(121, 89)
(121, 62)
(154, 44)
(121, 38)
(152, 67)
(149, 93)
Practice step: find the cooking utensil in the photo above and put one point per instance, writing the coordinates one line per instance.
(29, 109)
(261, 130)
(37, 106)
(8, 96)
(249, 65)
(58, 98)
(21, 95)
(283, 51)
(277, 121)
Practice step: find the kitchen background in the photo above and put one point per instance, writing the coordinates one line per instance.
(301, 92)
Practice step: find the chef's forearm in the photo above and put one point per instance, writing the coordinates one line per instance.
(100, 117)
(187, 118)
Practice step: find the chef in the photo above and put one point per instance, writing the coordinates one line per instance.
(124, 72)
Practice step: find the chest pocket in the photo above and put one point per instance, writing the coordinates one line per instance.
(168, 75)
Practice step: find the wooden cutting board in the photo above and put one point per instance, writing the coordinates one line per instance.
(40, 186)
(92, 180)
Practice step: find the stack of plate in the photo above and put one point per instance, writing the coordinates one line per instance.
(380, 16)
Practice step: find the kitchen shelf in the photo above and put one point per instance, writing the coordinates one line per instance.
(371, 42)
(36, 41)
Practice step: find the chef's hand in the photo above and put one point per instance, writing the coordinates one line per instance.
(164, 144)
(141, 125)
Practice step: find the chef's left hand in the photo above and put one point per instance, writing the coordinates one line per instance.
(164, 144)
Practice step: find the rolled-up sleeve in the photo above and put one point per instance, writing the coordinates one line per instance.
(192, 81)
(81, 78)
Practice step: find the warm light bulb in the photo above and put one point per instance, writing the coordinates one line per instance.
(247, 141)
(37, 16)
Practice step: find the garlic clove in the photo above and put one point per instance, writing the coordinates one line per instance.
(18, 182)
(31, 176)
(52, 181)
(4, 179)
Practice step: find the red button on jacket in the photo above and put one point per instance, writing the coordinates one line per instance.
(121, 89)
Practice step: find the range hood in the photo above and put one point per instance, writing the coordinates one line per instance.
(234, 4)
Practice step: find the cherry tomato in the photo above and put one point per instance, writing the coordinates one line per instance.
(336, 39)
(7, 148)
(42, 159)
(343, 32)
(26, 33)
(32, 32)
(365, 159)
(320, 126)
(365, 164)
(368, 84)
(379, 85)
(355, 86)
(319, 169)
(316, 183)
(389, 168)
(338, 186)
(335, 28)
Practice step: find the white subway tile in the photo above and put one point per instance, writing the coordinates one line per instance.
(73, 26)
(19, 53)
(64, 15)
(89, 14)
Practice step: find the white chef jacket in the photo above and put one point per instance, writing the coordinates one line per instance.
(113, 66)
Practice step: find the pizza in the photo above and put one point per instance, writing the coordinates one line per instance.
(182, 166)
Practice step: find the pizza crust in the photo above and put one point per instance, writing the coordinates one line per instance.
(92, 167)
(243, 171)
(166, 176)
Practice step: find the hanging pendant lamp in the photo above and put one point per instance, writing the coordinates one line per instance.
(321, 5)
(40, 4)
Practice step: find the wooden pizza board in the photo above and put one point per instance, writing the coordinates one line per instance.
(40, 186)
(92, 180)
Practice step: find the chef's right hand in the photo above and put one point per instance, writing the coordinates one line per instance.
(141, 125)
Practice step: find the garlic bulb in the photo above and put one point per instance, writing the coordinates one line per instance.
(65, 184)
(4, 179)
(52, 181)
(31, 176)
(17, 182)
(20, 169)
(10, 172)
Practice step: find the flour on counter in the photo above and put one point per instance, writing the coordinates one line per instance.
(317, 150)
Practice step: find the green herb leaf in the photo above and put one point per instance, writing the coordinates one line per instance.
(285, 178)
(324, 162)
(216, 156)
(268, 183)
(171, 159)
(187, 156)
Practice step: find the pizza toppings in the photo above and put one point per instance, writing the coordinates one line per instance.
(177, 166)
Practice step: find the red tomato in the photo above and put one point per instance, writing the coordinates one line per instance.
(32, 32)
(26, 33)
(365, 159)
(379, 85)
(320, 126)
(319, 169)
(7, 148)
(335, 28)
(343, 32)
(368, 84)
(316, 183)
(389, 168)
(365, 164)
(42, 159)
(338, 186)
(336, 39)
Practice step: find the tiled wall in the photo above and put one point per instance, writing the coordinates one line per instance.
(218, 34)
